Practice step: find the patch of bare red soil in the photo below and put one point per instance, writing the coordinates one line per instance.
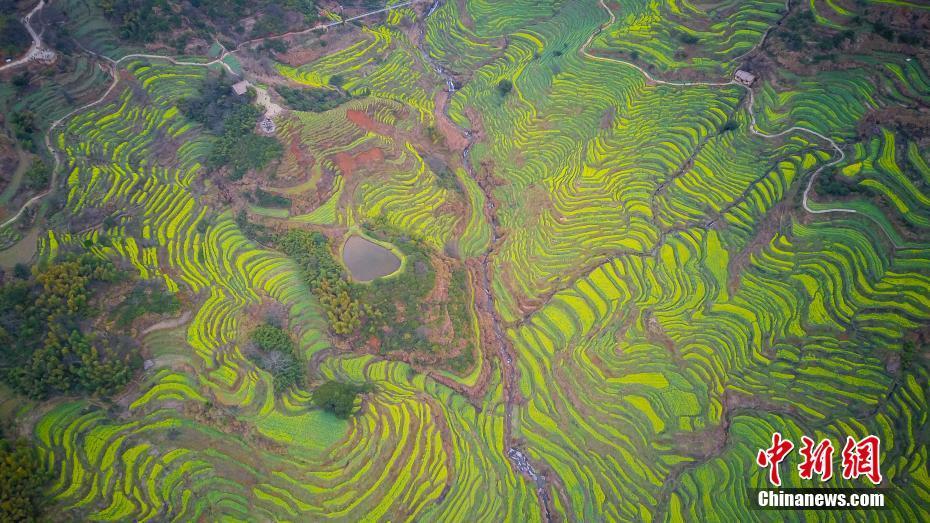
(348, 162)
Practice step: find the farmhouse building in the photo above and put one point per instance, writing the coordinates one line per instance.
(240, 87)
(745, 77)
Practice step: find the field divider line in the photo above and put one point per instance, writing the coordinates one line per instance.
(37, 43)
(753, 127)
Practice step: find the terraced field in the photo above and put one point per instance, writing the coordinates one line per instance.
(654, 267)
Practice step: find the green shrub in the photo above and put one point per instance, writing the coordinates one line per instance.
(828, 183)
(270, 338)
(337, 398)
(240, 148)
(38, 175)
(145, 298)
(267, 199)
(50, 353)
(24, 128)
(324, 275)
(337, 80)
(312, 99)
(278, 356)
(22, 480)
(688, 39)
(504, 87)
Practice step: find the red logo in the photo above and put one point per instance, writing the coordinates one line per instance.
(774, 455)
(861, 459)
(816, 459)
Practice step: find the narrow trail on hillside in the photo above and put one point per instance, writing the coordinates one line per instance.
(114, 73)
(36, 47)
(519, 461)
(838, 157)
(56, 154)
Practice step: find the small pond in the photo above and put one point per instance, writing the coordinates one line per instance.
(367, 260)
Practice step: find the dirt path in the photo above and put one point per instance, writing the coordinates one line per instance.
(37, 44)
(170, 323)
(753, 127)
(48, 145)
(320, 27)
(36, 51)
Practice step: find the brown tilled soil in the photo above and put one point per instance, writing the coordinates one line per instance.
(297, 161)
(366, 122)
(367, 159)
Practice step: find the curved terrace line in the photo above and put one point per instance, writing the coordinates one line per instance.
(753, 127)
(37, 45)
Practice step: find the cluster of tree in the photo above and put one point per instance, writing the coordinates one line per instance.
(337, 81)
(21, 81)
(729, 125)
(214, 103)
(240, 148)
(797, 34)
(829, 183)
(141, 20)
(272, 21)
(70, 362)
(795, 30)
(459, 314)
(267, 199)
(830, 42)
(392, 310)
(275, 46)
(24, 128)
(274, 15)
(687, 38)
(312, 99)
(337, 398)
(46, 350)
(146, 297)
(150, 20)
(278, 355)
(254, 231)
(310, 249)
(56, 14)
(22, 481)
(14, 39)
(385, 298)
(892, 35)
(38, 175)
(342, 309)
(307, 8)
(504, 87)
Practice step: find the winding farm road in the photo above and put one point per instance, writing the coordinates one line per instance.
(48, 145)
(36, 48)
(324, 26)
(753, 128)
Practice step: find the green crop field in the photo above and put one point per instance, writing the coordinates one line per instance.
(605, 271)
